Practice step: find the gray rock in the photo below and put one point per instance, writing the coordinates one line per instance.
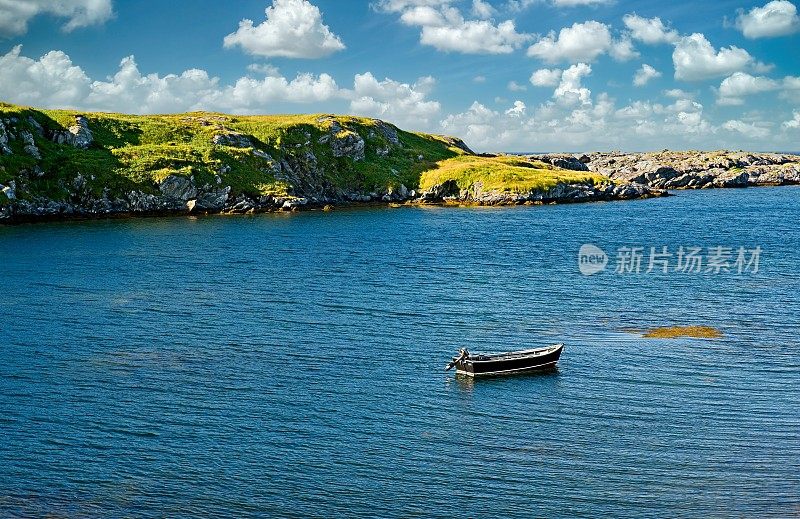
(178, 187)
(36, 126)
(10, 190)
(213, 200)
(563, 161)
(389, 133)
(82, 135)
(233, 139)
(4, 148)
(294, 203)
(348, 144)
(29, 144)
(441, 191)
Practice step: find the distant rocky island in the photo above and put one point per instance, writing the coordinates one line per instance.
(59, 164)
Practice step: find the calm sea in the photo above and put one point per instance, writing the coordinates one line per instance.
(292, 365)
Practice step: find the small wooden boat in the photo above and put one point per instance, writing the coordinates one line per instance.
(511, 363)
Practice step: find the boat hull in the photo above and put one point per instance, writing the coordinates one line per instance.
(500, 365)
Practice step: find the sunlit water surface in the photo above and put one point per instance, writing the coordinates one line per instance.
(292, 365)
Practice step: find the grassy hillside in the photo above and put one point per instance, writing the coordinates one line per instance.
(279, 155)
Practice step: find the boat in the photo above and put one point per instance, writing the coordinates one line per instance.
(510, 363)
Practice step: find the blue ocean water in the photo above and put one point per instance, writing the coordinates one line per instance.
(292, 365)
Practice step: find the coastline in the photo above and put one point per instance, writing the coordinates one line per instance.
(65, 165)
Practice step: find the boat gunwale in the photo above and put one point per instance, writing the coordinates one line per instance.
(498, 357)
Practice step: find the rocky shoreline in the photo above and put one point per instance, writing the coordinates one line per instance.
(675, 170)
(212, 164)
(180, 197)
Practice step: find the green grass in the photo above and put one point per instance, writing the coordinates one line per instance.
(133, 152)
(504, 173)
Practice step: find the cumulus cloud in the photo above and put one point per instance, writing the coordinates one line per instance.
(516, 87)
(677, 93)
(749, 130)
(15, 14)
(445, 28)
(645, 74)
(570, 90)
(793, 123)
(734, 88)
(53, 81)
(292, 29)
(649, 30)
(582, 42)
(518, 110)
(546, 77)
(521, 5)
(402, 103)
(696, 59)
(740, 84)
(482, 9)
(777, 18)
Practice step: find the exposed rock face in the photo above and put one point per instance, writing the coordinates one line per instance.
(178, 187)
(233, 139)
(389, 132)
(346, 143)
(561, 193)
(563, 161)
(30, 145)
(4, 149)
(698, 170)
(78, 135)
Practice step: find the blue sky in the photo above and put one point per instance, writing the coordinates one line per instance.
(513, 75)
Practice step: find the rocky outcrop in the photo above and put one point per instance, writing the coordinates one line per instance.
(4, 148)
(449, 192)
(563, 161)
(78, 135)
(698, 170)
(232, 139)
(347, 143)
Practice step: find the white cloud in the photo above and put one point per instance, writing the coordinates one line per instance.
(733, 89)
(793, 123)
(546, 77)
(645, 74)
(50, 81)
(15, 14)
(54, 81)
(518, 110)
(474, 37)
(582, 42)
(696, 59)
(678, 93)
(482, 9)
(445, 28)
(649, 30)
(516, 87)
(292, 29)
(741, 84)
(749, 130)
(479, 79)
(623, 50)
(570, 90)
(777, 18)
(401, 103)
